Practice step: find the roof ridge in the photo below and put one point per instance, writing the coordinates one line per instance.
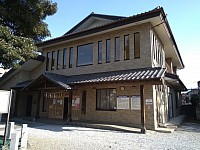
(108, 15)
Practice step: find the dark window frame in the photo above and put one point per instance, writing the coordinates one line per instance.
(99, 54)
(87, 64)
(108, 50)
(58, 60)
(70, 57)
(125, 57)
(47, 61)
(53, 60)
(117, 49)
(64, 64)
(136, 46)
(108, 100)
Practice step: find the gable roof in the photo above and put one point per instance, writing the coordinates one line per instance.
(29, 65)
(92, 18)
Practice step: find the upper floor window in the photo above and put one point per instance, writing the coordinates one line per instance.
(157, 52)
(126, 47)
(117, 49)
(64, 58)
(47, 61)
(108, 50)
(52, 60)
(106, 99)
(100, 52)
(137, 45)
(70, 57)
(58, 59)
(85, 55)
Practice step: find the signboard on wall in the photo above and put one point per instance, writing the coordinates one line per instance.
(123, 102)
(4, 101)
(149, 103)
(76, 102)
(135, 102)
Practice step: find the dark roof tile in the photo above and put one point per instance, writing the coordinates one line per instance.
(124, 75)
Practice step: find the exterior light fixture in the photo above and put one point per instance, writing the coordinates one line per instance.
(122, 88)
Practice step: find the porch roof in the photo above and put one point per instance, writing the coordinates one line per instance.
(66, 82)
(123, 75)
(21, 84)
(174, 80)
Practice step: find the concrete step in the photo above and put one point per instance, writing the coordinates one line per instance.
(165, 130)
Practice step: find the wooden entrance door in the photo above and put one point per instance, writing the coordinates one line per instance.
(56, 108)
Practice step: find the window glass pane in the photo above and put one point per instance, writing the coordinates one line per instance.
(117, 49)
(47, 61)
(64, 58)
(58, 59)
(126, 47)
(100, 52)
(53, 60)
(70, 57)
(137, 45)
(85, 55)
(106, 99)
(113, 100)
(108, 50)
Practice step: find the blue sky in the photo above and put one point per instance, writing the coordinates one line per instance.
(183, 17)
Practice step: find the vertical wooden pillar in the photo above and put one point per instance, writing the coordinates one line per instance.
(143, 129)
(69, 116)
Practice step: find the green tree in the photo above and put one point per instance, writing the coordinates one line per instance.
(21, 26)
(14, 49)
(26, 17)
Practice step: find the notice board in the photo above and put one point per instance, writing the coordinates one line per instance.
(122, 102)
(4, 101)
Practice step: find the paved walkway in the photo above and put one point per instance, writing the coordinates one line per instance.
(167, 128)
(65, 137)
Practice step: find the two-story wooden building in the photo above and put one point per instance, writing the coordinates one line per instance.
(105, 69)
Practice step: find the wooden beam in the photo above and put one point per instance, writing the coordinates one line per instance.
(143, 129)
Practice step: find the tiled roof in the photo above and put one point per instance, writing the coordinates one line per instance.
(58, 79)
(124, 75)
(21, 84)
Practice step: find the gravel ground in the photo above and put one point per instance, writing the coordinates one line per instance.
(59, 137)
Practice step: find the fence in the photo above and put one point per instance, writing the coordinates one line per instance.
(15, 138)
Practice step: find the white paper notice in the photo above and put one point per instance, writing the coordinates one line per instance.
(123, 102)
(135, 102)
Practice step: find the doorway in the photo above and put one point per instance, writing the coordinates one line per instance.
(56, 108)
(29, 105)
(66, 105)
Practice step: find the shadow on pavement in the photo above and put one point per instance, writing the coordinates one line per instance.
(190, 124)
